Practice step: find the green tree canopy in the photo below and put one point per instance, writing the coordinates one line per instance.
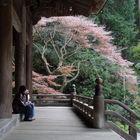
(119, 17)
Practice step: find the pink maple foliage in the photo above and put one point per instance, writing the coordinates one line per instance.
(80, 27)
(42, 83)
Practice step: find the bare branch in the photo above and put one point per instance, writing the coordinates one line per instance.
(78, 70)
(74, 52)
(54, 47)
(38, 48)
(45, 61)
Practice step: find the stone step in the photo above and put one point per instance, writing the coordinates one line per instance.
(7, 124)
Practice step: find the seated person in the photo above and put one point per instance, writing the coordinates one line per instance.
(22, 104)
(29, 106)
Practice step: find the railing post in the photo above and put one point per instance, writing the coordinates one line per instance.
(132, 132)
(105, 108)
(73, 93)
(98, 105)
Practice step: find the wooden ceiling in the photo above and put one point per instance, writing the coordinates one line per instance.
(48, 8)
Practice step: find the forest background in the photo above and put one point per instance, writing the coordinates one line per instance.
(60, 60)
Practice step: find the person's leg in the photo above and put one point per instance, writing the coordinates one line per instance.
(22, 113)
(32, 110)
(28, 110)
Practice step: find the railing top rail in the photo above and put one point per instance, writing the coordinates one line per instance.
(123, 134)
(43, 94)
(113, 113)
(83, 96)
(110, 101)
(55, 99)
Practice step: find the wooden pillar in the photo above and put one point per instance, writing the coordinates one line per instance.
(20, 54)
(132, 131)
(29, 60)
(6, 60)
(98, 104)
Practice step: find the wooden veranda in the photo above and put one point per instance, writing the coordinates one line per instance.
(58, 123)
(16, 20)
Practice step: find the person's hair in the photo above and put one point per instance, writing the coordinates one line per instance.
(22, 89)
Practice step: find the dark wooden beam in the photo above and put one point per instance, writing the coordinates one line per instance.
(97, 7)
(27, 38)
(66, 8)
(29, 58)
(4, 2)
(30, 3)
(5, 60)
(16, 21)
(20, 53)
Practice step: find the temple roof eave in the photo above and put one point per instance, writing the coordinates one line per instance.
(50, 8)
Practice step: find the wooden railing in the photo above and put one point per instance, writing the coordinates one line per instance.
(52, 99)
(84, 105)
(130, 119)
(84, 99)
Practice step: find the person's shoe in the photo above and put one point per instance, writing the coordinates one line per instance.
(29, 119)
